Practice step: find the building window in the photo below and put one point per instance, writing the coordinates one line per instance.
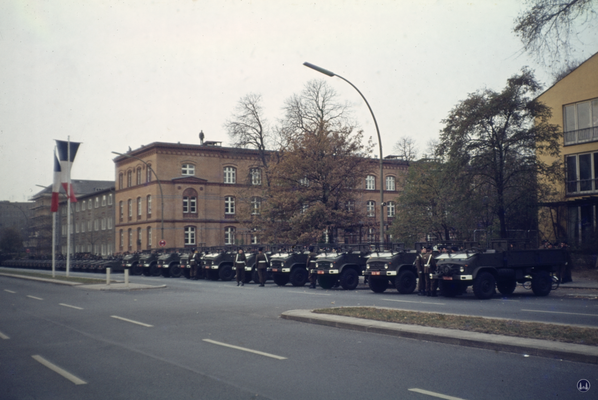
(82, 205)
(582, 173)
(96, 224)
(391, 209)
(110, 199)
(304, 182)
(580, 122)
(130, 209)
(189, 235)
(149, 237)
(77, 207)
(230, 175)
(139, 176)
(371, 208)
(256, 205)
(350, 206)
(190, 201)
(139, 238)
(121, 210)
(97, 202)
(109, 222)
(129, 178)
(89, 226)
(130, 239)
(148, 177)
(121, 240)
(370, 182)
(149, 205)
(104, 223)
(82, 227)
(104, 201)
(120, 181)
(256, 176)
(188, 169)
(139, 208)
(229, 205)
(371, 235)
(89, 204)
(254, 239)
(229, 235)
(391, 183)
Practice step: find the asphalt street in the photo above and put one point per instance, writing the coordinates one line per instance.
(214, 340)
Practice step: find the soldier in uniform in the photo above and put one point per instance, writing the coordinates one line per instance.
(310, 264)
(262, 264)
(419, 265)
(240, 262)
(429, 268)
(194, 265)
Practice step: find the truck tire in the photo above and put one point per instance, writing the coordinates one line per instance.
(298, 276)
(483, 285)
(136, 269)
(405, 282)
(327, 281)
(378, 285)
(226, 272)
(213, 274)
(154, 270)
(248, 276)
(281, 279)
(255, 276)
(450, 288)
(541, 284)
(175, 270)
(506, 287)
(349, 279)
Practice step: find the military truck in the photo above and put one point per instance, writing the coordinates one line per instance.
(131, 261)
(392, 267)
(343, 266)
(168, 263)
(289, 266)
(490, 269)
(149, 264)
(219, 265)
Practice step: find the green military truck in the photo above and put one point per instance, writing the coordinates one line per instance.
(219, 265)
(344, 267)
(288, 267)
(490, 269)
(392, 268)
(169, 264)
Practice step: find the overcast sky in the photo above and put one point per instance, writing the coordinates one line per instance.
(114, 74)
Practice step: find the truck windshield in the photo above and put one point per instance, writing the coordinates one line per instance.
(460, 256)
(381, 255)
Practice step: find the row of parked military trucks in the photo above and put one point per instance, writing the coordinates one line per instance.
(382, 267)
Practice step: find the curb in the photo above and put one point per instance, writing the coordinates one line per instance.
(49, 280)
(509, 344)
(90, 286)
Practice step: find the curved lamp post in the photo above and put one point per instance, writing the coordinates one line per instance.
(332, 74)
(159, 185)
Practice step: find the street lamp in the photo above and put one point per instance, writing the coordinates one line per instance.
(159, 185)
(332, 74)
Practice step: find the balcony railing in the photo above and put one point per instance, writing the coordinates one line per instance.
(582, 186)
(581, 136)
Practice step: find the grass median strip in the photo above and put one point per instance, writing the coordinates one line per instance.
(507, 327)
(57, 277)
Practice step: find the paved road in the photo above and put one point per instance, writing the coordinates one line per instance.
(176, 343)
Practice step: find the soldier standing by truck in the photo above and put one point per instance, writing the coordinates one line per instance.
(262, 265)
(195, 265)
(240, 262)
(430, 268)
(421, 281)
(310, 264)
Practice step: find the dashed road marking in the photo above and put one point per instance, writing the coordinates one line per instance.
(434, 394)
(3, 336)
(560, 312)
(261, 353)
(67, 305)
(131, 321)
(316, 294)
(59, 370)
(9, 291)
(33, 297)
(417, 302)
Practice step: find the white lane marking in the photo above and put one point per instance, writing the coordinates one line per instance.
(66, 305)
(131, 321)
(59, 370)
(560, 312)
(3, 336)
(9, 291)
(33, 297)
(245, 349)
(417, 302)
(434, 394)
(317, 294)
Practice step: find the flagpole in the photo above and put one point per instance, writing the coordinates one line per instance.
(53, 245)
(68, 208)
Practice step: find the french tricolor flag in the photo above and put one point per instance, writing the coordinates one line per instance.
(56, 185)
(66, 155)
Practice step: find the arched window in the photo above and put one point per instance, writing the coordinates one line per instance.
(121, 240)
(121, 210)
(130, 239)
(371, 208)
(139, 208)
(370, 182)
(148, 177)
(391, 183)
(139, 175)
(130, 209)
(129, 178)
(149, 237)
(229, 205)
(190, 201)
(149, 204)
(230, 175)
(120, 181)
(229, 235)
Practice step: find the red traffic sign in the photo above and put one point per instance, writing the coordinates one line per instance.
(162, 243)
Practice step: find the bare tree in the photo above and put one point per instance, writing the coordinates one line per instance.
(406, 148)
(547, 27)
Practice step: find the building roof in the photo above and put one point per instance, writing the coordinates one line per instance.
(80, 187)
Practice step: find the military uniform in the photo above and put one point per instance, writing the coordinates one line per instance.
(195, 265)
(421, 281)
(240, 262)
(310, 264)
(430, 267)
(262, 264)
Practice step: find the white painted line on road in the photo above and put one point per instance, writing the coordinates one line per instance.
(417, 302)
(3, 336)
(33, 297)
(245, 349)
(66, 305)
(434, 394)
(9, 291)
(317, 294)
(59, 370)
(131, 321)
(560, 312)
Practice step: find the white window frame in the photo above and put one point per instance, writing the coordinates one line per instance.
(371, 208)
(230, 175)
(229, 205)
(370, 182)
(256, 176)
(190, 235)
(188, 169)
(229, 235)
(391, 183)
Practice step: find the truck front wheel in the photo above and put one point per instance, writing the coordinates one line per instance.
(136, 269)
(405, 282)
(541, 284)
(298, 276)
(349, 279)
(226, 272)
(327, 281)
(175, 270)
(280, 279)
(154, 270)
(378, 285)
(483, 285)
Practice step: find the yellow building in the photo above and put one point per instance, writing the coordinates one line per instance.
(574, 103)
(186, 195)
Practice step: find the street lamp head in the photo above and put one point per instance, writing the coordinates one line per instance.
(321, 70)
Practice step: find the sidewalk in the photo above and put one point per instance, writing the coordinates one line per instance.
(510, 344)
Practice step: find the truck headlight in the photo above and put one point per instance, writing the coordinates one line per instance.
(461, 269)
(385, 266)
